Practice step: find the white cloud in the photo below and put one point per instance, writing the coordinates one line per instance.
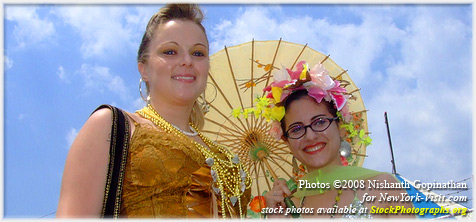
(414, 62)
(98, 78)
(30, 29)
(354, 45)
(8, 63)
(70, 136)
(105, 30)
(428, 95)
(62, 75)
(254, 22)
(138, 104)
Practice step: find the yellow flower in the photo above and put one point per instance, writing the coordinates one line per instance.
(276, 91)
(257, 112)
(262, 102)
(236, 112)
(277, 113)
(247, 111)
(304, 71)
(267, 114)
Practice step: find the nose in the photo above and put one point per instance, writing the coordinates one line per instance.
(310, 135)
(186, 60)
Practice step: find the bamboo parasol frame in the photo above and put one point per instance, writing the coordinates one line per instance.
(237, 76)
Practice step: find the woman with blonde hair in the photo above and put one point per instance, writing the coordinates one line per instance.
(155, 162)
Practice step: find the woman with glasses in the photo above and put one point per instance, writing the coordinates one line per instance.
(307, 108)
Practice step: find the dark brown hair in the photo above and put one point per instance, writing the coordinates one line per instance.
(297, 95)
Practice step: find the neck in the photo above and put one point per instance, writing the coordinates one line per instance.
(334, 163)
(174, 114)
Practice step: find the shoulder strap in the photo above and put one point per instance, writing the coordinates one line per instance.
(117, 162)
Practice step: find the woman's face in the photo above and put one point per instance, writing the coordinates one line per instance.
(314, 149)
(178, 63)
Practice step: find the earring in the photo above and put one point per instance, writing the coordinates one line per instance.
(344, 151)
(205, 102)
(147, 100)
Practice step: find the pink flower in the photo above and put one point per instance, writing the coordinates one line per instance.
(317, 93)
(295, 74)
(276, 130)
(320, 77)
(345, 113)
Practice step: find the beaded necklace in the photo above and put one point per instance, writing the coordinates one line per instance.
(230, 178)
(339, 193)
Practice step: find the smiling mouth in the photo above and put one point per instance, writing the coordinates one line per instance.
(314, 149)
(184, 77)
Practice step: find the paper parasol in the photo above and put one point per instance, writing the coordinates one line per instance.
(238, 75)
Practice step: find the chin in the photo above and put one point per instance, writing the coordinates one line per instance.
(189, 97)
(316, 163)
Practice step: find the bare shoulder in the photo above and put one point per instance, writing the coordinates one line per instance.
(95, 133)
(84, 175)
(100, 117)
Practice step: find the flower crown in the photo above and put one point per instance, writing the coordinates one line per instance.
(319, 85)
(316, 81)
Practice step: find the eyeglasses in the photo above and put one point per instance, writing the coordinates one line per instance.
(318, 125)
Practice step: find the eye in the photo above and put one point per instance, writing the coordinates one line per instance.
(169, 52)
(198, 53)
(295, 129)
(319, 122)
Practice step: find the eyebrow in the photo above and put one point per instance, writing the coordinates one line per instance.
(175, 43)
(172, 42)
(201, 45)
(312, 119)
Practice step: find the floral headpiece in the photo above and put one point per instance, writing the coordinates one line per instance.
(316, 81)
(319, 85)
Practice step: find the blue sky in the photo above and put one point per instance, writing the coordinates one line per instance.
(62, 61)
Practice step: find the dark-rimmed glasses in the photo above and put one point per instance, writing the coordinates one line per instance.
(318, 125)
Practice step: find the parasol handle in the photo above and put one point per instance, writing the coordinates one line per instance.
(287, 200)
(262, 156)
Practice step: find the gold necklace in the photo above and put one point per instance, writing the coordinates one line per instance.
(230, 178)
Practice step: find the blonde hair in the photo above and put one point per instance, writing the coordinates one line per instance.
(197, 117)
(187, 12)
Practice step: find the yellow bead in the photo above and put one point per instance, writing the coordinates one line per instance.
(228, 175)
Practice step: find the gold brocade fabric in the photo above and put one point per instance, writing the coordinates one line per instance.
(166, 177)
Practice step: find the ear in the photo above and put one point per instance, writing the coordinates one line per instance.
(342, 131)
(285, 139)
(142, 69)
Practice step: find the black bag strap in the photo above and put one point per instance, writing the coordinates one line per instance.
(118, 151)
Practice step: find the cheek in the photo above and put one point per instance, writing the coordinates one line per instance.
(334, 132)
(204, 67)
(334, 138)
(293, 146)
